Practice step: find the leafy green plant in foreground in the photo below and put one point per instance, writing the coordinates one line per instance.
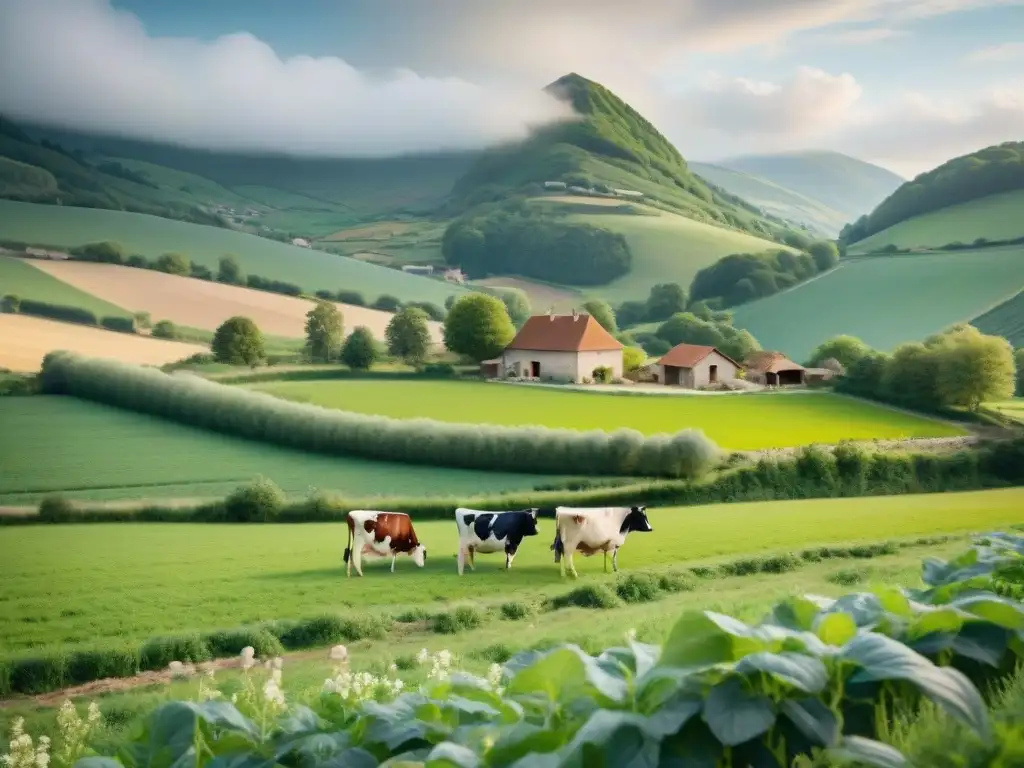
(818, 678)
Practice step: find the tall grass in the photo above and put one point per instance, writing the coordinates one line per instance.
(189, 399)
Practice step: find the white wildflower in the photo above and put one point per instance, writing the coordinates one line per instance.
(422, 656)
(94, 714)
(339, 653)
(393, 668)
(630, 635)
(272, 692)
(248, 657)
(494, 673)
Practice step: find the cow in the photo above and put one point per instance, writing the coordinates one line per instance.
(379, 534)
(487, 532)
(595, 529)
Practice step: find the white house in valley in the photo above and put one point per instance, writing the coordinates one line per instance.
(694, 366)
(568, 347)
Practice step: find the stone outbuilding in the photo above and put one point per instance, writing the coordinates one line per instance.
(694, 366)
(562, 347)
(774, 369)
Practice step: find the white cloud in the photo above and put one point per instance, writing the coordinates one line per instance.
(808, 103)
(83, 64)
(997, 54)
(864, 36)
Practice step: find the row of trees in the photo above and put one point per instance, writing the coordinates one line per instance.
(960, 367)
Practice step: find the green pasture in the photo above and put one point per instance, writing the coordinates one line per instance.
(1006, 320)
(152, 236)
(1012, 408)
(996, 217)
(667, 248)
(25, 281)
(84, 450)
(885, 300)
(73, 585)
(739, 422)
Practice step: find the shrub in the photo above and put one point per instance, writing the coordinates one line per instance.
(121, 324)
(58, 312)
(38, 674)
(516, 611)
(438, 370)
(158, 652)
(458, 620)
(106, 252)
(848, 577)
(10, 304)
(359, 351)
(387, 303)
(637, 588)
(238, 341)
(676, 582)
(173, 264)
(86, 666)
(329, 629)
(355, 298)
(496, 654)
(261, 500)
(589, 596)
(165, 329)
(602, 375)
(231, 642)
(55, 509)
(254, 415)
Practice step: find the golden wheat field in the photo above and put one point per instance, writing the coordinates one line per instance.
(26, 340)
(203, 304)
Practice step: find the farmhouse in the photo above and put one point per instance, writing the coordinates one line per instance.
(774, 369)
(694, 366)
(568, 347)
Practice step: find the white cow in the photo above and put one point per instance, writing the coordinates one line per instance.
(380, 534)
(487, 532)
(595, 529)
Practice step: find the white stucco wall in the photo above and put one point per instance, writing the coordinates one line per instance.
(700, 374)
(562, 365)
(588, 361)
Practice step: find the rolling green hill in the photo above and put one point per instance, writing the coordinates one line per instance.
(995, 218)
(26, 282)
(152, 236)
(1006, 320)
(842, 183)
(775, 199)
(985, 173)
(885, 300)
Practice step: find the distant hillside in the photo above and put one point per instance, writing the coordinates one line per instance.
(610, 146)
(775, 199)
(844, 184)
(1006, 320)
(987, 172)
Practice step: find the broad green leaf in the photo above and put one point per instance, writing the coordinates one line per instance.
(523, 739)
(999, 610)
(864, 608)
(612, 740)
(697, 640)
(836, 629)
(449, 755)
(97, 762)
(861, 751)
(223, 714)
(736, 715)
(977, 648)
(349, 758)
(672, 715)
(814, 720)
(943, 619)
(893, 601)
(312, 747)
(299, 720)
(551, 675)
(171, 730)
(795, 613)
(646, 656)
(664, 683)
(804, 672)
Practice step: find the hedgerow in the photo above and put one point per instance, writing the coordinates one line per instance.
(192, 400)
(816, 679)
(57, 312)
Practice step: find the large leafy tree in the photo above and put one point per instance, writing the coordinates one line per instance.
(174, 264)
(603, 313)
(324, 332)
(848, 350)
(517, 304)
(360, 350)
(229, 271)
(974, 368)
(478, 326)
(665, 300)
(238, 341)
(408, 335)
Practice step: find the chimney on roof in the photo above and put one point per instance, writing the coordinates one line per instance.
(575, 314)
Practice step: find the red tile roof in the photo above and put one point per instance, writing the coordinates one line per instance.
(770, 362)
(564, 333)
(688, 355)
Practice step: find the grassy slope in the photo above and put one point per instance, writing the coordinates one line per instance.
(1013, 408)
(57, 444)
(1006, 320)
(187, 577)
(845, 184)
(885, 300)
(774, 198)
(782, 420)
(996, 217)
(25, 281)
(666, 248)
(152, 236)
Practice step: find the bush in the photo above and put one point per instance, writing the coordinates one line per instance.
(387, 303)
(238, 341)
(516, 611)
(602, 375)
(231, 642)
(637, 588)
(55, 509)
(590, 596)
(159, 652)
(458, 620)
(173, 264)
(10, 304)
(58, 312)
(121, 324)
(106, 252)
(261, 500)
(165, 329)
(254, 415)
(359, 351)
(38, 674)
(355, 298)
(438, 370)
(86, 666)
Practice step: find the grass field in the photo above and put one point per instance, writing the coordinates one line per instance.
(542, 297)
(391, 243)
(152, 236)
(666, 248)
(22, 279)
(91, 451)
(885, 300)
(204, 304)
(996, 217)
(1013, 408)
(25, 340)
(1006, 320)
(66, 585)
(741, 422)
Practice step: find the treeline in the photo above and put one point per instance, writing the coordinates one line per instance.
(253, 415)
(986, 172)
(958, 368)
(525, 242)
(956, 245)
(743, 277)
(13, 304)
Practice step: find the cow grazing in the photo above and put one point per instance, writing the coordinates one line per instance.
(487, 532)
(595, 529)
(379, 534)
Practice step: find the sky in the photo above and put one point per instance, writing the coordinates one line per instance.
(906, 84)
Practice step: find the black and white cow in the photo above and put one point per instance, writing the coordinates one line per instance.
(487, 532)
(595, 529)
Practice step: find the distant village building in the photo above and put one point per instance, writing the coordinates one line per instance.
(424, 270)
(568, 347)
(694, 366)
(774, 369)
(628, 193)
(455, 276)
(42, 253)
(301, 242)
(555, 185)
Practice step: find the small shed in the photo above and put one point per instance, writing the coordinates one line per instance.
(774, 369)
(491, 369)
(695, 365)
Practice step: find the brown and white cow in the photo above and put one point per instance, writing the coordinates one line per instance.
(590, 530)
(379, 534)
